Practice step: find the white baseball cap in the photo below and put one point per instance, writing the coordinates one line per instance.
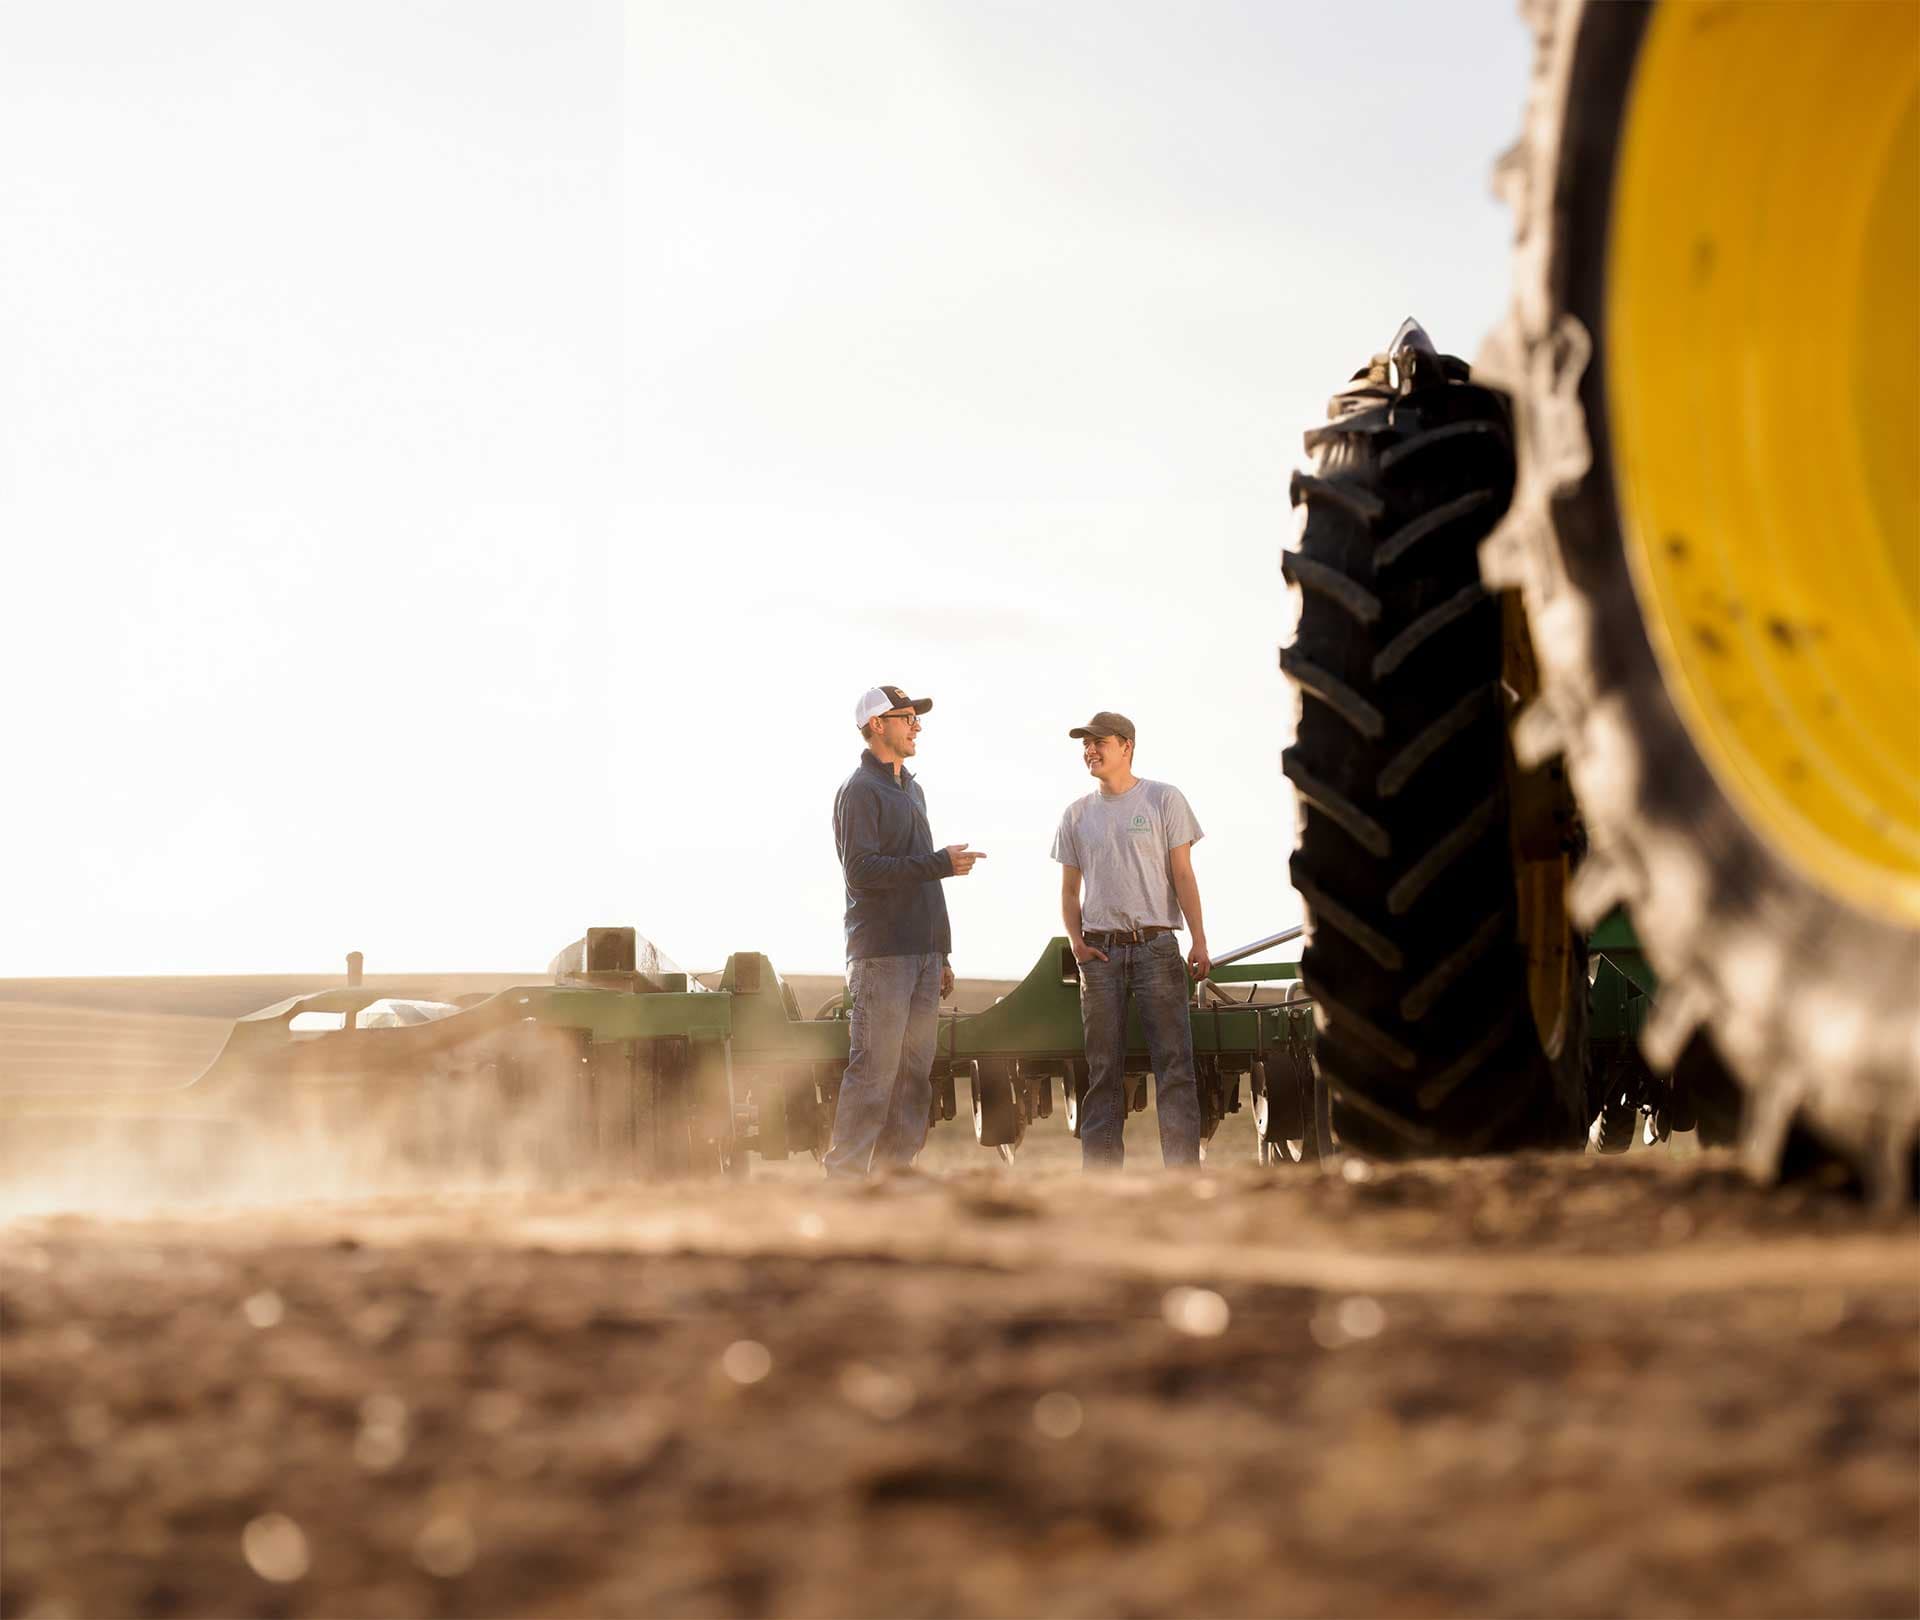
(879, 699)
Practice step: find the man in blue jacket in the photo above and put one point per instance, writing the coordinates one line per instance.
(897, 940)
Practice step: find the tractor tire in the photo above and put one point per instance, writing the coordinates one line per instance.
(1713, 534)
(1706, 1099)
(1405, 860)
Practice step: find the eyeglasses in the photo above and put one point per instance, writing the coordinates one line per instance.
(909, 715)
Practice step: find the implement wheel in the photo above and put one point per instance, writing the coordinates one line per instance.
(1073, 1090)
(1447, 993)
(996, 1114)
(1292, 1117)
(1716, 532)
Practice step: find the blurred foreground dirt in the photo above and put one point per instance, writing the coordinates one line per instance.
(1529, 1387)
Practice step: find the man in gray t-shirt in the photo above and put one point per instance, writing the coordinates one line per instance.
(1130, 843)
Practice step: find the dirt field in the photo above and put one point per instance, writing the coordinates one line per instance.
(1577, 1386)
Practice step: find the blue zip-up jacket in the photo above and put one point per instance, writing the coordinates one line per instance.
(893, 872)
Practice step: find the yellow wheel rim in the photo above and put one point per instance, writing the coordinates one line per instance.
(1763, 379)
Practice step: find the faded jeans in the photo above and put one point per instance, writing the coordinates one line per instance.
(886, 1096)
(1157, 976)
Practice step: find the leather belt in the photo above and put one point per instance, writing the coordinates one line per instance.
(1123, 936)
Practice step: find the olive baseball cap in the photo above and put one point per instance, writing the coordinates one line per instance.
(1105, 724)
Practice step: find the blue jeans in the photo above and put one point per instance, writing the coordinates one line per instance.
(886, 1096)
(1157, 976)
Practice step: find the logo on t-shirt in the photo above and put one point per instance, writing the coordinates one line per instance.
(1140, 824)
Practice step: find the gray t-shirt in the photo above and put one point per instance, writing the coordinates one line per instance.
(1119, 841)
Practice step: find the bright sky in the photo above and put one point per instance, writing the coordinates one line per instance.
(459, 463)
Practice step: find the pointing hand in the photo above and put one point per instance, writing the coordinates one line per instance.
(963, 858)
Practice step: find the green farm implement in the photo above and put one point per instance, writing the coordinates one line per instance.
(612, 1071)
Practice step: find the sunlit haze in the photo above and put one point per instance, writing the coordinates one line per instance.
(462, 462)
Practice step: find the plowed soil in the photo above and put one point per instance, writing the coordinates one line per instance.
(1537, 1386)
